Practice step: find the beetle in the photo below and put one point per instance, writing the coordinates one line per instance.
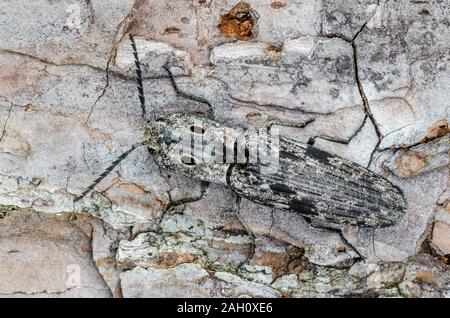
(298, 178)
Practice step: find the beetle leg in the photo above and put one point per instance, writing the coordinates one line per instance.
(344, 141)
(210, 113)
(287, 123)
(247, 229)
(241, 220)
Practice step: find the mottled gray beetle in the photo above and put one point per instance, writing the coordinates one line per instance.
(307, 181)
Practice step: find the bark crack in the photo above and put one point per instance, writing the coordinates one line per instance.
(363, 95)
(123, 28)
(365, 101)
(5, 124)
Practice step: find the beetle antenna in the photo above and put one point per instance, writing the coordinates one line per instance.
(109, 170)
(140, 86)
(133, 147)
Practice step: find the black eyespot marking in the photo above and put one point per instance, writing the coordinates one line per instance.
(188, 160)
(197, 130)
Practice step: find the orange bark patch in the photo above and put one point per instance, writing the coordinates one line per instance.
(277, 5)
(253, 116)
(274, 48)
(439, 129)
(446, 259)
(274, 52)
(426, 277)
(132, 195)
(282, 263)
(238, 23)
(105, 261)
(132, 189)
(172, 30)
(411, 162)
(172, 259)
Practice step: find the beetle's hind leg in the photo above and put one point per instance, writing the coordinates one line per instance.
(247, 229)
(210, 111)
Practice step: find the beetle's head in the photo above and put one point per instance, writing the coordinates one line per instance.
(188, 145)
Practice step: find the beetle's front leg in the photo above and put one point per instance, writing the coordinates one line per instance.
(210, 112)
